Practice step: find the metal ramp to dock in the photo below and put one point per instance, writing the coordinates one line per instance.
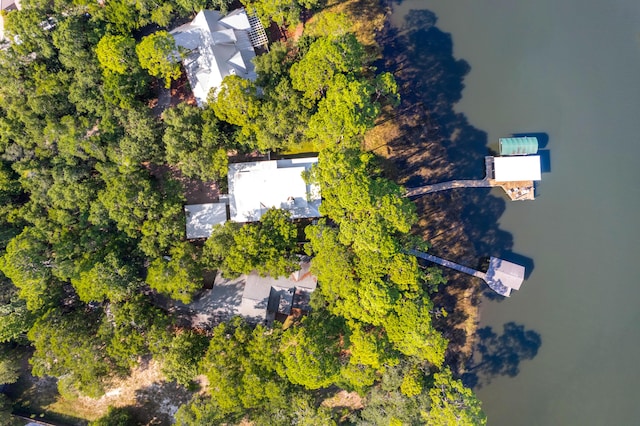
(502, 276)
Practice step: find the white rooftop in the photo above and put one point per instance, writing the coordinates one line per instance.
(218, 46)
(520, 168)
(257, 186)
(202, 217)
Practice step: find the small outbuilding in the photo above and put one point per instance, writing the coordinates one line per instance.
(201, 218)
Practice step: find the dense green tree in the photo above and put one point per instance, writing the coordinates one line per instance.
(268, 246)
(180, 275)
(347, 111)
(116, 416)
(127, 199)
(310, 353)
(181, 355)
(301, 410)
(369, 209)
(27, 26)
(200, 411)
(241, 367)
(283, 119)
(218, 245)
(110, 278)
(195, 142)
(158, 54)
(345, 294)
(273, 66)
(140, 207)
(67, 344)
(74, 38)
(236, 101)
(140, 141)
(369, 347)
(27, 263)
(135, 328)
(117, 53)
(124, 90)
(279, 11)
(410, 330)
(163, 14)
(15, 319)
(452, 403)
(327, 57)
(10, 364)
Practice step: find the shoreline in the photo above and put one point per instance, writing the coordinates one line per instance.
(410, 141)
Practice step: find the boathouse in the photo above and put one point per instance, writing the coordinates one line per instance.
(518, 146)
(517, 168)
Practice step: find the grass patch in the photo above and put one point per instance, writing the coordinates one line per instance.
(303, 148)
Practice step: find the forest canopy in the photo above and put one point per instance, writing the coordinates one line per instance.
(92, 223)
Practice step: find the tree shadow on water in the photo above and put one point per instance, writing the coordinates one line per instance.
(500, 355)
(434, 143)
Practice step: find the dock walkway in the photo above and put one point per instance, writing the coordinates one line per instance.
(502, 276)
(427, 189)
(515, 190)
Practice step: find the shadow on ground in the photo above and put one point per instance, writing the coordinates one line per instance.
(500, 355)
(157, 403)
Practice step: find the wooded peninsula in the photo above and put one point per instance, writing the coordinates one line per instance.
(101, 139)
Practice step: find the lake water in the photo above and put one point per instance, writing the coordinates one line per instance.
(568, 69)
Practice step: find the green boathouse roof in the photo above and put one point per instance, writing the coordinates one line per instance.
(518, 146)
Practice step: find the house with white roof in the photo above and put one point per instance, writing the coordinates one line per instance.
(255, 187)
(217, 46)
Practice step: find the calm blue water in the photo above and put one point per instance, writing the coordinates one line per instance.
(569, 69)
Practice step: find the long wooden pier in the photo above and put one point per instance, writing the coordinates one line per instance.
(427, 189)
(502, 276)
(515, 190)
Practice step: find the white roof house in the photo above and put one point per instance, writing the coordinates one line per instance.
(217, 46)
(201, 218)
(517, 168)
(257, 186)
